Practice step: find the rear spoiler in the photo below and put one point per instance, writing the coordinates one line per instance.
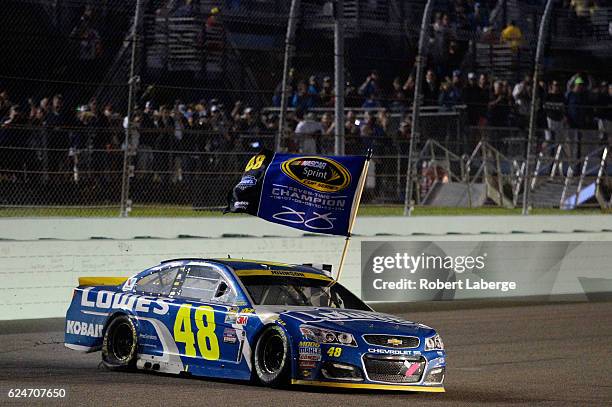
(90, 281)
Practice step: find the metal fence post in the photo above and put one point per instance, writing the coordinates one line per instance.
(339, 77)
(534, 102)
(415, 130)
(132, 83)
(289, 48)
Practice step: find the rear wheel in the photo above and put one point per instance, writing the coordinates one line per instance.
(120, 344)
(272, 361)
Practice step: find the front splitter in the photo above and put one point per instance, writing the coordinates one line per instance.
(392, 387)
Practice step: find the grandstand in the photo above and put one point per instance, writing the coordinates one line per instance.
(207, 86)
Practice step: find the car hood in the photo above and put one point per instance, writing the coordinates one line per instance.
(351, 321)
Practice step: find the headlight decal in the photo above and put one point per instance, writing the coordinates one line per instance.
(434, 343)
(327, 336)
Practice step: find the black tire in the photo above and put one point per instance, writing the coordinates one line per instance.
(272, 358)
(120, 344)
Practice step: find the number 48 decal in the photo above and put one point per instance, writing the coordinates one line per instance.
(205, 331)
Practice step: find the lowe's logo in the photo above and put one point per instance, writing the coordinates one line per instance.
(113, 300)
(84, 329)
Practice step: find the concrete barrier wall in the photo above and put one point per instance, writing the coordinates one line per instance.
(41, 259)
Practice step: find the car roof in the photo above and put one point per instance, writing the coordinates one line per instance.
(244, 264)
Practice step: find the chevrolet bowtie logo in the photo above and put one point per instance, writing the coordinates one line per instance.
(394, 342)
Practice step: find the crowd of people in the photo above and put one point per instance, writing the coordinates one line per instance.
(162, 131)
(58, 139)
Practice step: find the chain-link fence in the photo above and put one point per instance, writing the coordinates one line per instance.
(153, 106)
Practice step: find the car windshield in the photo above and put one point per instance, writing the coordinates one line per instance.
(301, 292)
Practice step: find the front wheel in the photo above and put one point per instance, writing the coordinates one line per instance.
(120, 344)
(272, 361)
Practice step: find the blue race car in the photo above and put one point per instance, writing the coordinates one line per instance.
(243, 319)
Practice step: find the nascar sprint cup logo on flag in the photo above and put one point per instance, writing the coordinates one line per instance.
(311, 193)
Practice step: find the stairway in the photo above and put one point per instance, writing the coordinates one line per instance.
(456, 195)
(548, 194)
(574, 199)
(500, 62)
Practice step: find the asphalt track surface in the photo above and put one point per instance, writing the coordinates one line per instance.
(535, 355)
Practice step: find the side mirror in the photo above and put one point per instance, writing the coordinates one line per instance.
(221, 289)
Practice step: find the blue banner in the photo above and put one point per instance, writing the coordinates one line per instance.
(312, 193)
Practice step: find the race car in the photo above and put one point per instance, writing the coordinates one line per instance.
(251, 320)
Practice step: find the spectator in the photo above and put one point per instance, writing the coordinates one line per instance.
(554, 108)
(12, 135)
(478, 19)
(405, 130)
(308, 133)
(371, 133)
(430, 89)
(483, 99)
(370, 86)
(249, 129)
(398, 96)
(446, 98)
(302, 100)
(522, 95)
(383, 119)
(457, 87)
(352, 131)
(513, 36)
(351, 96)
(5, 104)
(471, 96)
(329, 127)
(291, 86)
(580, 17)
(326, 96)
(498, 108)
(371, 101)
(453, 59)
(408, 89)
(164, 143)
(90, 44)
(450, 92)
(313, 90)
(577, 113)
(327, 122)
(58, 123)
(220, 138)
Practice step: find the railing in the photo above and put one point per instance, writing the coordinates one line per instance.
(600, 176)
(496, 171)
(44, 167)
(594, 169)
(437, 157)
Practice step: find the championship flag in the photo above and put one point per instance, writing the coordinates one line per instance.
(313, 193)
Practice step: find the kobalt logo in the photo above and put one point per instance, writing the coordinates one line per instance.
(84, 329)
(318, 173)
(111, 300)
